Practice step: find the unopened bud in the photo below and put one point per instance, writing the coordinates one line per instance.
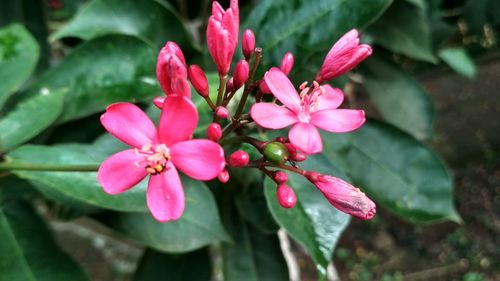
(263, 87)
(198, 80)
(248, 43)
(214, 132)
(241, 72)
(230, 85)
(287, 63)
(280, 177)
(286, 196)
(223, 176)
(222, 112)
(158, 101)
(280, 139)
(239, 159)
(298, 157)
(275, 152)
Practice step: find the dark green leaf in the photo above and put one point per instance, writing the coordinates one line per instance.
(397, 171)
(192, 266)
(155, 22)
(400, 99)
(28, 250)
(30, 117)
(199, 225)
(313, 222)
(19, 54)
(459, 61)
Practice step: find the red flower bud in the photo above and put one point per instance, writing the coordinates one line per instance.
(171, 71)
(223, 176)
(222, 112)
(286, 196)
(241, 73)
(263, 87)
(198, 80)
(248, 43)
(280, 177)
(230, 85)
(158, 101)
(214, 132)
(287, 63)
(280, 139)
(239, 159)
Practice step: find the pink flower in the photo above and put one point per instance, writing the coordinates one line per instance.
(344, 196)
(158, 152)
(343, 56)
(171, 71)
(222, 34)
(314, 108)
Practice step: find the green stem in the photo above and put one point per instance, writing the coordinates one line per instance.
(8, 166)
(222, 85)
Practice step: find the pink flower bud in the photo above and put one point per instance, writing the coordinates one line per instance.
(223, 176)
(248, 43)
(241, 73)
(198, 80)
(222, 112)
(298, 157)
(287, 63)
(345, 54)
(343, 196)
(280, 177)
(214, 132)
(222, 34)
(230, 85)
(158, 101)
(263, 87)
(280, 139)
(286, 196)
(171, 71)
(239, 159)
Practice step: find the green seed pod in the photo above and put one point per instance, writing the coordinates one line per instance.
(275, 152)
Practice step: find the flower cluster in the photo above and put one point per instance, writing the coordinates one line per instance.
(160, 152)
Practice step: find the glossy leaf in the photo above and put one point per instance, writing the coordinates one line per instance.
(153, 21)
(397, 171)
(199, 225)
(313, 222)
(400, 99)
(404, 29)
(102, 71)
(192, 266)
(29, 118)
(459, 61)
(19, 53)
(28, 249)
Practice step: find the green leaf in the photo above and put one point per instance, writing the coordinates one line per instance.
(199, 225)
(397, 171)
(29, 118)
(400, 99)
(313, 222)
(81, 186)
(28, 249)
(459, 61)
(154, 22)
(102, 71)
(192, 266)
(19, 53)
(404, 29)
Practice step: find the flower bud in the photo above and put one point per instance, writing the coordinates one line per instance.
(298, 157)
(222, 112)
(286, 196)
(158, 101)
(239, 159)
(214, 132)
(275, 152)
(198, 80)
(287, 63)
(263, 87)
(241, 72)
(230, 85)
(248, 43)
(171, 71)
(280, 139)
(223, 176)
(280, 177)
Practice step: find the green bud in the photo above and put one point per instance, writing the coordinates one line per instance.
(275, 152)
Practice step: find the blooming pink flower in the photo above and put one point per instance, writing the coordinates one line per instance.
(314, 108)
(222, 34)
(345, 54)
(344, 196)
(171, 71)
(159, 153)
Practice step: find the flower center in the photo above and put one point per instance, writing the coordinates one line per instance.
(309, 99)
(154, 158)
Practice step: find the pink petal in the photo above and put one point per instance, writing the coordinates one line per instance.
(282, 88)
(347, 41)
(338, 120)
(306, 138)
(178, 120)
(129, 123)
(272, 116)
(332, 98)
(165, 196)
(119, 172)
(199, 159)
